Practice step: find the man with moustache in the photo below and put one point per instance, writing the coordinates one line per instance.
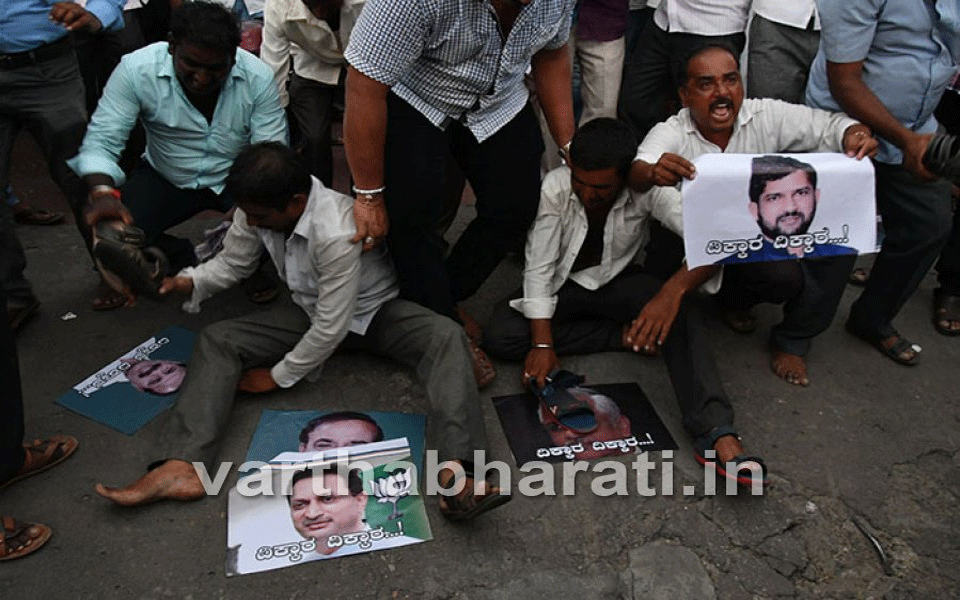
(783, 201)
(716, 118)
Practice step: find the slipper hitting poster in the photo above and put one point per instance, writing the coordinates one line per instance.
(326, 485)
(617, 419)
(130, 391)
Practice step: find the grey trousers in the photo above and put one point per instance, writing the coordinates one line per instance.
(434, 346)
(779, 60)
(588, 321)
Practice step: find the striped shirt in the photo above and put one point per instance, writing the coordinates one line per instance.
(448, 59)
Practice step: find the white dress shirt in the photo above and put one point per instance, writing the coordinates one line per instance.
(796, 13)
(702, 17)
(560, 228)
(290, 29)
(337, 286)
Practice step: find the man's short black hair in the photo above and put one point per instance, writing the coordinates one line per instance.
(604, 143)
(354, 481)
(267, 174)
(205, 24)
(336, 417)
(764, 169)
(683, 68)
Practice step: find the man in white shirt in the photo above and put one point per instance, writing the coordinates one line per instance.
(583, 294)
(338, 296)
(648, 93)
(784, 37)
(314, 33)
(718, 119)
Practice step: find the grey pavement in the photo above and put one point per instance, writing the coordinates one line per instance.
(869, 443)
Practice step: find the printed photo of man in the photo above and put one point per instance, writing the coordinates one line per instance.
(339, 430)
(159, 377)
(608, 424)
(783, 201)
(324, 503)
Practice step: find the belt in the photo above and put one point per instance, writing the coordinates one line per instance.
(55, 49)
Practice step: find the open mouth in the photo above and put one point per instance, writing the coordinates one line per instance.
(721, 110)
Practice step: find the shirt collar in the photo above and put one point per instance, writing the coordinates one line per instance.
(306, 219)
(744, 116)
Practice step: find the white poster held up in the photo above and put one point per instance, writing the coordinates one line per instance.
(756, 208)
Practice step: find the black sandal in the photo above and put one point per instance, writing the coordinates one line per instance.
(895, 352)
(946, 307)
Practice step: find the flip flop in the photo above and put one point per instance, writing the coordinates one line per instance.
(708, 440)
(946, 307)
(483, 369)
(28, 537)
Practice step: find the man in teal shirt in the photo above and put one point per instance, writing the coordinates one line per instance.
(201, 100)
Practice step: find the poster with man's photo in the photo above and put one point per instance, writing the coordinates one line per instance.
(315, 505)
(755, 208)
(603, 420)
(133, 389)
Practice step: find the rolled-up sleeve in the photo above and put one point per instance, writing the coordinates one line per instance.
(800, 128)
(664, 137)
(542, 256)
(268, 121)
(109, 128)
(108, 12)
(338, 266)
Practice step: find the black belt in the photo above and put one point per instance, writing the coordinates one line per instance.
(55, 49)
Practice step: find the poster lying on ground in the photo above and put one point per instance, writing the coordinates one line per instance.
(307, 506)
(623, 422)
(754, 208)
(133, 389)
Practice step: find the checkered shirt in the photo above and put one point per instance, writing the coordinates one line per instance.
(447, 58)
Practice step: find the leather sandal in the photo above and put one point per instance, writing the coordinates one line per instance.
(466, 505)
(119, 249)
(40, 455)
(946, 309)
(21, 539)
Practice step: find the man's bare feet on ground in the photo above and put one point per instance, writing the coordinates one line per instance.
(470, 325)
(173, 480)
(790, 367)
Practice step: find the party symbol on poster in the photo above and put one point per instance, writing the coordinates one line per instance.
(392, 488)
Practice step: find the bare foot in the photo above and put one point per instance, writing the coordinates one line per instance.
(173, 480)
(108, 298)
(790, 367)
(728, 448)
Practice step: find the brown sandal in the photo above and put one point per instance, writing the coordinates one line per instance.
(43, 454)
(467, 505)
(21, 539)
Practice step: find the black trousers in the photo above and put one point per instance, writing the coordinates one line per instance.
(916, 218)
(11, 402)
(311, 105)
(157, 205)
(648, 93)
(810, 291)
(948, 267)
(504, 172)
(588, 321)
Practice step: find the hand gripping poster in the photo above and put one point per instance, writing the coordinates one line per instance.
(754, 208)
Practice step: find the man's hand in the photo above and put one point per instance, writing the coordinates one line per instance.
(256, 381)
(670, 169)
(74, 17)
(178, 284)
(858, 141)
(650, 329)
(913, 150)
(102, 205)
(540, 362)
(372, 221)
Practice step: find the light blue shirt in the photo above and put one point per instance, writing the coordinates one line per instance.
(181, 145)
(910, 50)
(25, 24)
